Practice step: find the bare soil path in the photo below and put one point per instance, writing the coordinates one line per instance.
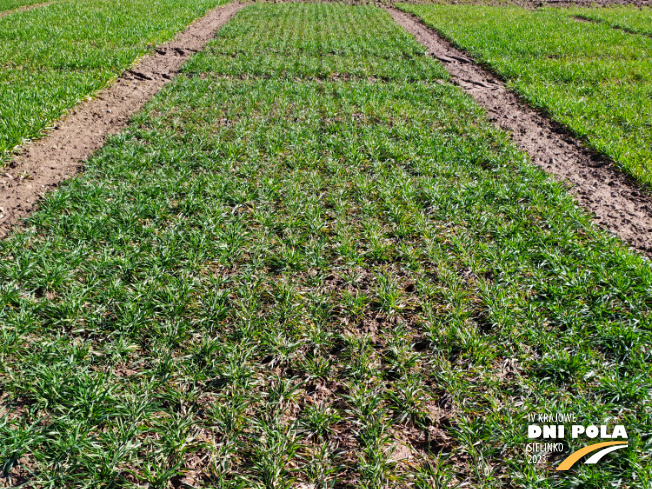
(45, 163)
(617, 203)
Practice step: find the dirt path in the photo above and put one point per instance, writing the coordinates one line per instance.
(45, 163)
(24, 8)
(616, 202)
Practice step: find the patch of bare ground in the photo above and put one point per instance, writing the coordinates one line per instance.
(616, 202)
(16, 472)
(45, 163)
(24, 8)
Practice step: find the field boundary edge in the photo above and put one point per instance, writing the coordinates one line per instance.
(618, 204)
(43, 164)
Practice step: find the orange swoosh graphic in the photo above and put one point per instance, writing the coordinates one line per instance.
(575, 456)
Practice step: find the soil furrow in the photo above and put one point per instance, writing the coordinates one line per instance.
(45, 163)
(24, 8)
(617, 203)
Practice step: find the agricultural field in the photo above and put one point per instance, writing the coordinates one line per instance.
(311, 262)
(318, 44)
(56, 56)
(593, 79)
(635, 20)
(6, 5)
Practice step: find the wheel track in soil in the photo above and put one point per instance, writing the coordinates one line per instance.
(59, 155)
(617, 203)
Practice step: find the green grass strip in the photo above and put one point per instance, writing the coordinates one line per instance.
(6, 5)
(595, 80)
(307, 43)
(636, 20)
(55, 57)
(267, 283)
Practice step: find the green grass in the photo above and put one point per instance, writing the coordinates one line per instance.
(54, 57)
(297, 41)
(12, 4)
(636, 20)
(268, 282)
(595, 80)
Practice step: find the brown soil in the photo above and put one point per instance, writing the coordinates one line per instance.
(24, 8)
(44, 164)
(616, 202)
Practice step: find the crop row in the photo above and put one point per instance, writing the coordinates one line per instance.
(299, 42)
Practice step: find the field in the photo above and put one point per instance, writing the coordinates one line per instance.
(631, 19)
(316, 45)
(312, 262)
(593, 79)
(6, 5)
(56, 56)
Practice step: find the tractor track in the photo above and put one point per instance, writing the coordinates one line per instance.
(617, 203)
(45, 163)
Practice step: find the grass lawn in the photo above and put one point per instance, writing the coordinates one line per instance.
(54, 57)
(347, 280)
(595, 80)
(636, 20)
